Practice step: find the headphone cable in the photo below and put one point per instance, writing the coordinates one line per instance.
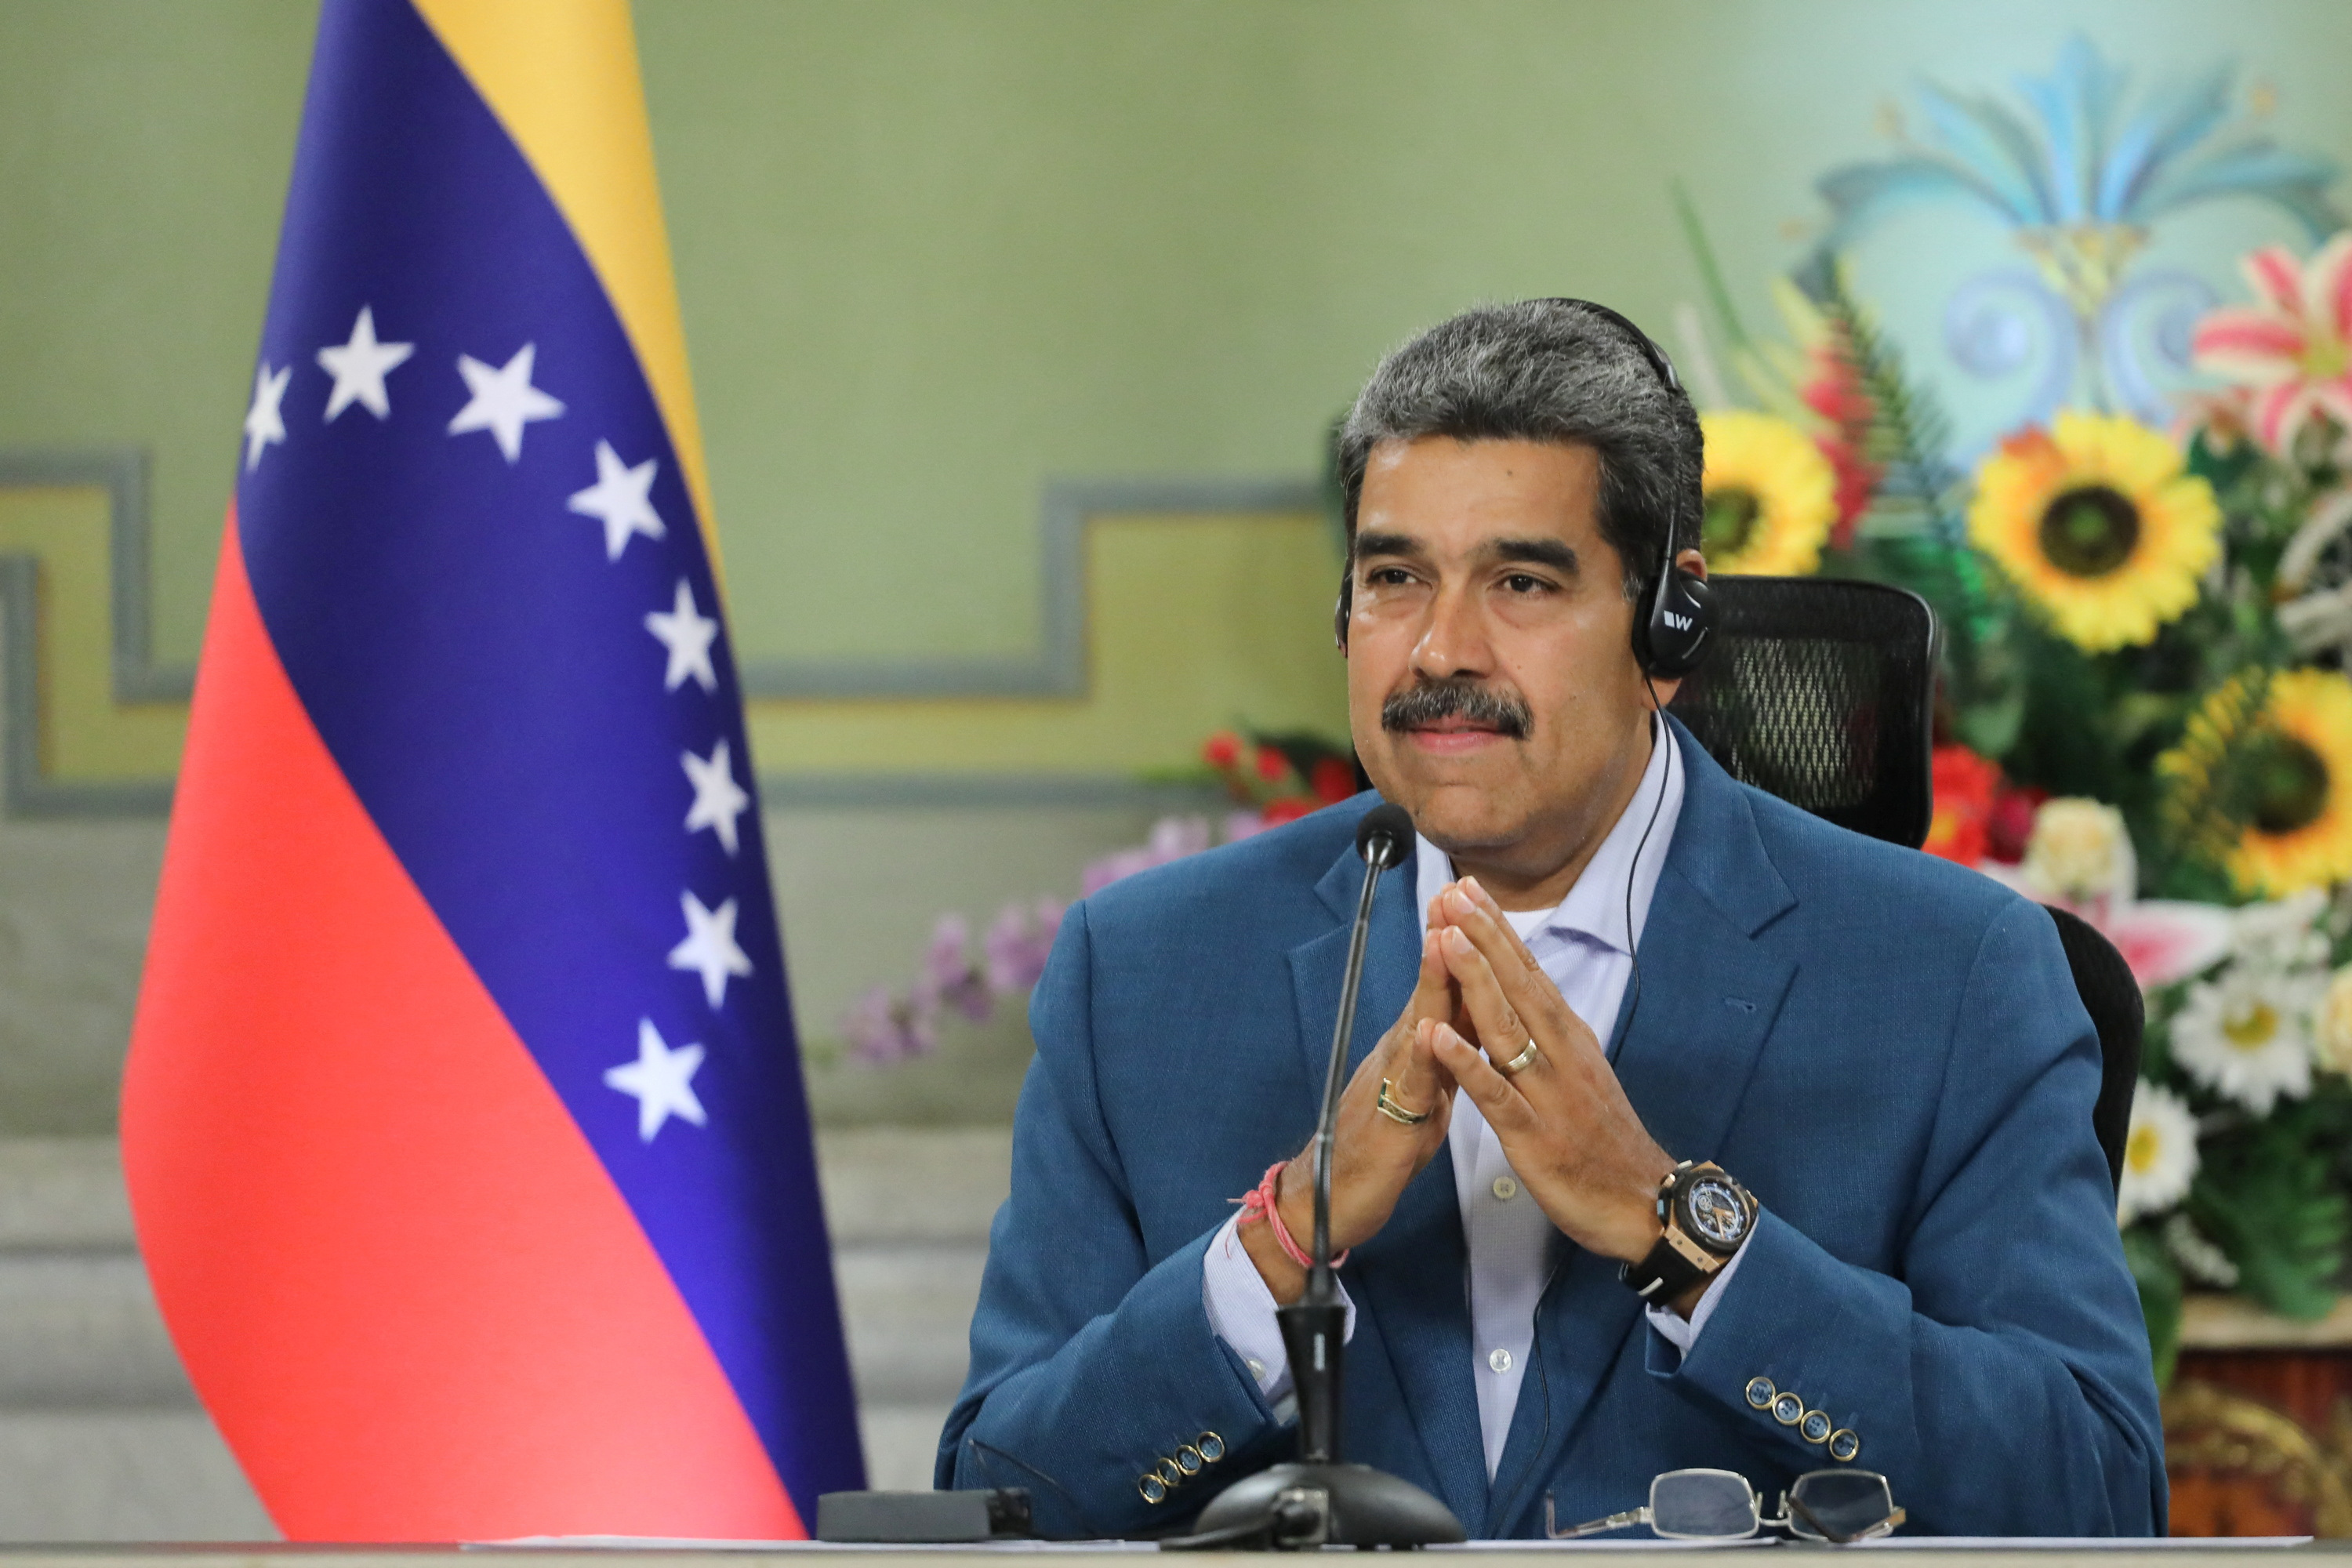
(1664, 737)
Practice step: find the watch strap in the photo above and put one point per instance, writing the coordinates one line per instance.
(1665, 1271)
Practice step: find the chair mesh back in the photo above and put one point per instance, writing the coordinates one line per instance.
(1820, 690)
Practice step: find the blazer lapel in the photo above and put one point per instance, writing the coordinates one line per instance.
(1412, 1279)
(1392, 960)
(1709, 995)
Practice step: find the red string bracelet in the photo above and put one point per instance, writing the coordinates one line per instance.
(1261, 1200)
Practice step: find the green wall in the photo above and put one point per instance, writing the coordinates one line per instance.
(933, 252)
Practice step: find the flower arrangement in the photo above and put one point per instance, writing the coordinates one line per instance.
(2142, 716)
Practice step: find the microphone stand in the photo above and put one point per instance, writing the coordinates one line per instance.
(1318, 1501)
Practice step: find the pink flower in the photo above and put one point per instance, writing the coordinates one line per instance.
(1018, 945)
(882, 1029)
(1172, 838)
(950, 978)
(2163, 939)
(1244, 825)
(2293, 345)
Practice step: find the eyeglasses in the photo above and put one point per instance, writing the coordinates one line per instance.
(1838, 1505)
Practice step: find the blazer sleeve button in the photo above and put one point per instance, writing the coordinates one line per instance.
(1761, 1391)
(1815, 1426)
(1845, 1446)
(1154, 1490)
(1211, 1447)
(1787, 1409)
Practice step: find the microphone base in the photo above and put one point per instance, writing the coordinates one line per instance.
(1303, 1507)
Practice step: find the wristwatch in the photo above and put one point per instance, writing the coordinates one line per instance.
(1706, 1216)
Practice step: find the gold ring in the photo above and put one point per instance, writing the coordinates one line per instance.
(1519, 1063)
(1387, 1106)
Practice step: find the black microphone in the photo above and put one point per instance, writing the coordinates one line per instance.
(1312, 1327)
(1318, 1501)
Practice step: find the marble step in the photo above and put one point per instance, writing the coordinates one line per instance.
(100, 1437)
(908, 1210)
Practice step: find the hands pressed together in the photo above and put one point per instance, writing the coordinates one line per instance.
(1564, 1123)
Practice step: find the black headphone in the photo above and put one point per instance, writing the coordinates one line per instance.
(1674, 611)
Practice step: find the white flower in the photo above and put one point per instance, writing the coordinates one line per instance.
(2331, 1043)
(2159, 1154)
(2280, 935)
(2199, 1258)
(2079, 849)
(2248, 1035)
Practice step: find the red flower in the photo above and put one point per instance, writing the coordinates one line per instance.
(1334, 780)
(1272, 766)
(1221, 751)
(1965, 785)
(2010, 823)
(1290, 808)
(1836, 392)
(1857, 482)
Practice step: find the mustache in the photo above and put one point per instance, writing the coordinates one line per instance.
(1505, 712)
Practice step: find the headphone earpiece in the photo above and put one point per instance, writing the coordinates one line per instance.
(1672, 622)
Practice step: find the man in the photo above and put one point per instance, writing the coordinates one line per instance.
(1886, 1051)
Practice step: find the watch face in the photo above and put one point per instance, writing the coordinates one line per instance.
(1714, 1214)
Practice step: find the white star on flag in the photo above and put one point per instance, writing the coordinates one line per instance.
(503, 401)
(359, 368)
(709, 947)
(619, 499)
(264, 425)
(662, 1080)
(719, 800)
(688, 635)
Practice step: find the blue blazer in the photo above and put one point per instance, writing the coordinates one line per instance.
(1888, 1050)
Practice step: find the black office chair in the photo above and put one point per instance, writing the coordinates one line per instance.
(1821, 690)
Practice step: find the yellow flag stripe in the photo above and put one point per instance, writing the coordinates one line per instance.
(561, 76)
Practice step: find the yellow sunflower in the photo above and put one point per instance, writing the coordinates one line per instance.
(2097, 521)
(1770, 496)
(2301, 835)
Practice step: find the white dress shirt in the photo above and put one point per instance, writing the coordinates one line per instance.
(1584, 946)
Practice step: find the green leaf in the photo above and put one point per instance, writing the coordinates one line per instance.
(2266, 1196)
(2159, 1278)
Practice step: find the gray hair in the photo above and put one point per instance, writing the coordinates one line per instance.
(1544, 370)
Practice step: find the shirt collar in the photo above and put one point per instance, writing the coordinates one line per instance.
(1595, 907)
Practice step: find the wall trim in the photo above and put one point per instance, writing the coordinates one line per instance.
(31, 793)
(122, 472)
(1056, 669)
(965, 792)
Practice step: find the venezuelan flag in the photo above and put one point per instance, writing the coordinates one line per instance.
(463, 1121)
